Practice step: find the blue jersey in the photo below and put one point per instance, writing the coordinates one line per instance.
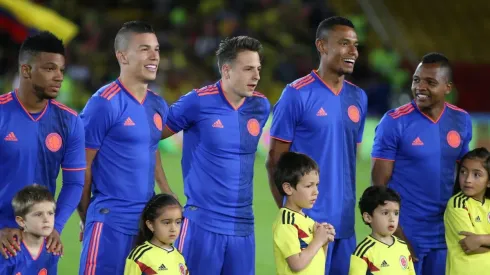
(33, 147)
(25, 264)
(325, 125)
(220, 142)
(425, 154)
(126, 133)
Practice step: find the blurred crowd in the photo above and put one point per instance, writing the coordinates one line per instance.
(189, 33)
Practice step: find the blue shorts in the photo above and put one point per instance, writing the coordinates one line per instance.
(338, 257)
(209, 253)
(104, 250)
(431, 261)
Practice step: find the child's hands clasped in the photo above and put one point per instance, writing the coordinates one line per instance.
(325, 232)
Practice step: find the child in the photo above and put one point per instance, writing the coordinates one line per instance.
(300, 244)
(381, 252)
(159, 227)
(467, 216)
(34, 208)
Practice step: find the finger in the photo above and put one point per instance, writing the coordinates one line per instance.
(49, 240)
(13, 244)
(3, 251)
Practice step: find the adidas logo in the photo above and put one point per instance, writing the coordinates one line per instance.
(11, 137)
(129, 122)
(384, 264)
(321, 112)
(218, 124)
(417, 142)
(162, 267)
(478, 219)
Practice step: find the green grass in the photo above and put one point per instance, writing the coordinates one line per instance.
(264, 209)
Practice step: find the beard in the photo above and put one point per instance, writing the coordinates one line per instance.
(40, 93)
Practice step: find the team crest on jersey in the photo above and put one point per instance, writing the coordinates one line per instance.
(43, 271)
(403, 262)
(157, 119)
(253, 127)
(453, 139)
(353, 113)
(182, 269)
(54, 142)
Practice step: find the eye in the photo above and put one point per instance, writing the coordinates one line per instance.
(416, 80)
(178, 222)
(397, 213)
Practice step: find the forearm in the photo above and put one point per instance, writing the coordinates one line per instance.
(278, 198)
(160, 176)
(69, 197)
(485, 240)
(86, 195)
(300, 261)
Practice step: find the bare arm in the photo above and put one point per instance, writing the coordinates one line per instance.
(277, 148)
(301, 260)
(86, 193)
(160, 177)
(381, 171)
(166, 133)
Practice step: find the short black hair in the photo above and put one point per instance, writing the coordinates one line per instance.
(229, 48)
(291, 167)
(329, 23)
(442, 60)
(30, 195)
(481, 154)
(40, 42)
(375, 196)
(128, 28)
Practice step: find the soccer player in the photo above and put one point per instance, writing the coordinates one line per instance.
(159, 227)
(222, 124)
(34, 208)
(39, 135)
(322, 116)
(123, 124)
(467, 217)
(381, 252)
(415, 150)
(300, 243)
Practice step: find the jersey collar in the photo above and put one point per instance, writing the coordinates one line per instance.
(27, 112)
(118, 81)
(223, 95)
(314, 73)
(429, 118)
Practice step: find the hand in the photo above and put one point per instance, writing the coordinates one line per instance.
(82, 228)
(470, 243)
(321, 233)
(330, 230)
(10, 244)
(53, 243)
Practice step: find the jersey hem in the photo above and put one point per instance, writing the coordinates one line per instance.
(280, 139)
(387, 159)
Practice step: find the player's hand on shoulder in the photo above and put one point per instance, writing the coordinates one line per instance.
(53, 243)
(10, 239)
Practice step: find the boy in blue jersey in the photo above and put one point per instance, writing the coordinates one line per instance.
(322, 116)
(123, 125)
(38, 136)
(222, 124)
(416, 147)
(34, 208)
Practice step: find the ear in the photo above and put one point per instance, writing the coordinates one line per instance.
(25, 71)
(320, 46)
(288, 189)
(225, 71)
(150, 225)
(366, 217)
(121, 56)
(449, 88)
(20, 221)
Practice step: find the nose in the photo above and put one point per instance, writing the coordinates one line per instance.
(58, 76)
(154, 55)
(353, 51)
(257, 75)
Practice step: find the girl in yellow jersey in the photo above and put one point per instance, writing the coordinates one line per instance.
(467, 217)
(159, 227)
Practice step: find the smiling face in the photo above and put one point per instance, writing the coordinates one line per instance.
(338, 49)
(141, 57)
(430, 85)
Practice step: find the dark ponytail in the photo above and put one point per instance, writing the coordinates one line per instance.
(152, 210)
(481, 154)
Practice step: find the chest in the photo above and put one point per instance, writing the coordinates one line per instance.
(480, 217)
(330, 113)
(390, 261)
(224, 129)
(137, 125)
(169, 264)
(305, 233)
(21, 136)
(427, 140)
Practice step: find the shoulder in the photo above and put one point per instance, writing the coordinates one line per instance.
(108, 91)
(155, 97)
(139, 252)
(400, 241)
(353, 87)
(6, 99)
(284, 219)
(63, 108)
(302, 83)
(457, 201)
(206, 91)
(457, 109)
(364, 247)
(400, 112)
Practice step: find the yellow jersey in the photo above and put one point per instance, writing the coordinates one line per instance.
(292, 232)
(466, 214)
(150, 259)
(374, 257)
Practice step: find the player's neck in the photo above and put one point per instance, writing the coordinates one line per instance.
(33, 243)
(232, 97)
(137, 88)
(27, 98)
(388, 240)
(434, 112)
(293, 206)
(333, 79)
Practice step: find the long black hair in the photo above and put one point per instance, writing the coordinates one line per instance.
(480, 154)
(152, 210)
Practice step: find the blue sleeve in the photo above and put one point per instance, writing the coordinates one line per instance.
(286, 115)
(386, 139)
(98, 117)
(53, 265)
(7, 266)
(183, 113)
(73, 167)
(364, 107)
(267, 113)
(469, 136)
